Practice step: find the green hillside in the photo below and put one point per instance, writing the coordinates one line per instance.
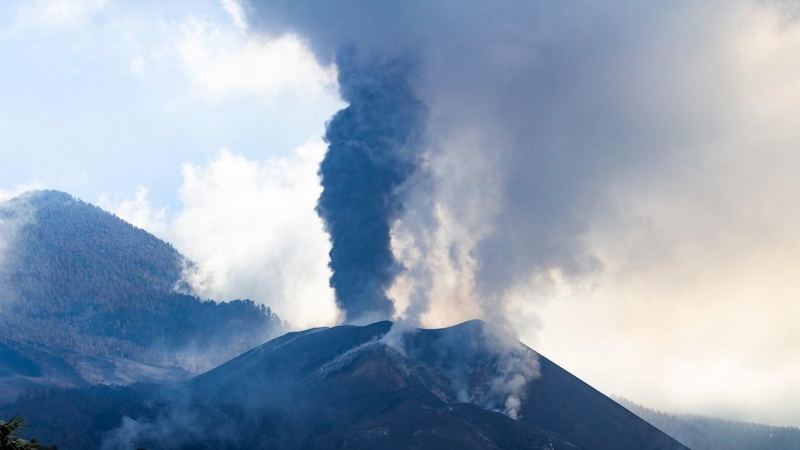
(77, 277)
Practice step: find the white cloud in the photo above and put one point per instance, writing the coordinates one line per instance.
(696, 310)
(10, 226)
(252, 229)
(221, 64)
(137, 66)
(200, 83)
(57, 14)
(234, 9)
(8, 194)
(699, 249)
(139, 212)
(135, 89)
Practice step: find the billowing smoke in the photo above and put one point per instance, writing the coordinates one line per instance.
(538, 114)
(518, 143)
(516, 367)
(374, 147)
(516, 166)
(174, 423)
(464, 353)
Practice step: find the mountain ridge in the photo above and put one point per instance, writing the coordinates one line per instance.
(78, 278)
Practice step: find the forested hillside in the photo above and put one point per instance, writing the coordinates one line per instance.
(708, 433)
(77, 277)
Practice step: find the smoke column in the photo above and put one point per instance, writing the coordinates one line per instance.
(538, 114)
(374, 146)
(513, 172)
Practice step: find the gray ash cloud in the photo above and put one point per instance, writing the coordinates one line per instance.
(374, 147)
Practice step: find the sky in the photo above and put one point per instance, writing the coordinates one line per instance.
(619, 182)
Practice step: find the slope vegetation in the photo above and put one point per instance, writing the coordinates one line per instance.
(76, 277)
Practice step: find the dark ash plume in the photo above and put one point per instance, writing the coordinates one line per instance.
(374, 147)
(538, 113)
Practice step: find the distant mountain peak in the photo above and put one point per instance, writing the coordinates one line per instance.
(76, 276)
(47, 195)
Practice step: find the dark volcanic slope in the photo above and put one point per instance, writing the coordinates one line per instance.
(370, 393)
(77, 277)
(354, 387)
(25, 368)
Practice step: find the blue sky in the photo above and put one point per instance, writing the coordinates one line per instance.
(629, 173)
(103, 98)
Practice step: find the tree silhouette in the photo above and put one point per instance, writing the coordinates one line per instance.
(8, 441)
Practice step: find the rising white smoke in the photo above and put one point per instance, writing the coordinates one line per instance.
(535, 111)
(250, 228)
(485, 365)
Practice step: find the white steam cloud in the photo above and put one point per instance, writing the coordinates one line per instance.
(514, 365)
(11, 219)
(251, 228)
(517, 367)
(616, 178)
(642, 158)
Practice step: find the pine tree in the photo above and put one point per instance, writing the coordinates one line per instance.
(8, 441)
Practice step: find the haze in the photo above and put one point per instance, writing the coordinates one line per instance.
(619, 183)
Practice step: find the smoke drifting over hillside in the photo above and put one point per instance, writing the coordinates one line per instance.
(251, 228)
(637, 162)
(13, 215)
(514, 365)
(521, 137)
(611, 178)
(543, 119)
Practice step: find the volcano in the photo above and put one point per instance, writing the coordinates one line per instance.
(381, 386)
(372, 387)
